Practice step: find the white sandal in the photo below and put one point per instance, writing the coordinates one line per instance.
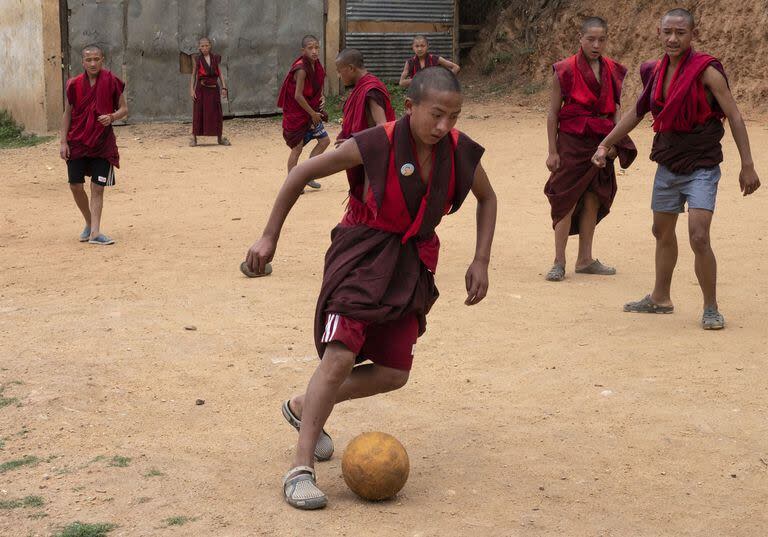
(300, 489)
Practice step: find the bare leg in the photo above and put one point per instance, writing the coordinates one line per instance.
(293, 158)
(364, 381)
(322, 145)
(320, 397)
(562, 229)
(587, 224)
(81, 199)
(666, 256)
(699, 221)
(97, 204)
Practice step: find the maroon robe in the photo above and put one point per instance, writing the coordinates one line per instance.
(86, 136)
(207, 117)
(414, 65)
(383, 255)
(584, 119)
(355, 113)
(688, 128)
(296, 120)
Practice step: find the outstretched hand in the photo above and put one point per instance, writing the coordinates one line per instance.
(259, 254)
(477, 282)
(748, 180)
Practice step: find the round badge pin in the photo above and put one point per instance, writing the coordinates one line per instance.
(407, 169)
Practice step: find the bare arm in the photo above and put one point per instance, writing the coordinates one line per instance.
(405, 81)
(120, 113)
(377, 113)
(224, 89)
(66, 119)
(301, 78)
(448, 64)
(623, 128)
(555, 102)
(715, 82)
(477, 275)
(263, 250)
(193, 82)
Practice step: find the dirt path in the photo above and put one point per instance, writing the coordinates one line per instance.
(543, 411)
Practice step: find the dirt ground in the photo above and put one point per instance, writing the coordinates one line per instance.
(543, 411)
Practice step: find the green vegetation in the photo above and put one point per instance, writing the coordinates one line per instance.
(12, 134)
(334, 103)
(78, 529)
(154, 472)
(5, 401)
(119, 461)
(178, 520)
(29, 460)
(27, 501)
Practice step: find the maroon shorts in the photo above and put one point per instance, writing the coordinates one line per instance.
(388, 344)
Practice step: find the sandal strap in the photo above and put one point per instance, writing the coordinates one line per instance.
(298, 471)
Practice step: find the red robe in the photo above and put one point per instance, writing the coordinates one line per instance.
(86, 136)
(688, 129)
(383, 255)
(207, 116)
(584, 119)
(296, 120)
(355, 112)
(414, 65)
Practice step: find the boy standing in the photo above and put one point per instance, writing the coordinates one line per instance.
(688, 95)
(368, 104)
(95, 100)
(586, 94)
(302, 100)
(423, 59)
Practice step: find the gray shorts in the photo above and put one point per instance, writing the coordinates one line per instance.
(672, 191)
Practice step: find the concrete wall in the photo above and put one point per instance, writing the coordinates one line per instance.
(30, 64)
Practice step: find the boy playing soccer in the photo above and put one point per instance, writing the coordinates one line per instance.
(688, 95)
(378, 282)
(423, 59)
(586, 93)
(94, 101)
(302, 100)
(368, 103)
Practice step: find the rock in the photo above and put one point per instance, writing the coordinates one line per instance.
(190, 327)
(199, 402)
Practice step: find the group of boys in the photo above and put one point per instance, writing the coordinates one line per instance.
(404, 176)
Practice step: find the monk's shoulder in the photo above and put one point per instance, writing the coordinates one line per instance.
(647, 68)
(616, 66)
(466, 145)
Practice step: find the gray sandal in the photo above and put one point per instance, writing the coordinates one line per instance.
(712, 319)
(556, 273)
(300, 489)
(596, 267)
(324, 447)
(646, 305)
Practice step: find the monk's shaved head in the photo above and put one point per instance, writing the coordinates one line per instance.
(92, 48)
(593, 22)
(437, 79)
(421, 38)
(682, 13)
(307, 39)
(351, 56)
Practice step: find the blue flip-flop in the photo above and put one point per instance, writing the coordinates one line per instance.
(102, 240)
(86, 234)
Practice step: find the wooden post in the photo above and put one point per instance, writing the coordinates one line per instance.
(333, 39)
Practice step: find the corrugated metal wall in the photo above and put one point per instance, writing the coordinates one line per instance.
(401, 10)
(144, 40)
(386, 51)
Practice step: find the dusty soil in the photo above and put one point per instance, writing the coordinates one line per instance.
(543, 411)
(521, 42)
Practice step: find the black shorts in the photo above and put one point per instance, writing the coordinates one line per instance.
(99, 170)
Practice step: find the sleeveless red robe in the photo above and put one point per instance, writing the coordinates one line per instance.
(296, 120)
(585, 117)
(383, 255)
(207, 115)
(414, 65)
(355, 117)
